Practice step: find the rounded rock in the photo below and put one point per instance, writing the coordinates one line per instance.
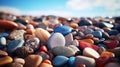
(3, 53)
(63, 30)
(63, 50)
(19, 60)
(3, 41)
(5, 60)
(89, 62)
(33, 61)
(42, 34)
(56, 39)
(89, 52)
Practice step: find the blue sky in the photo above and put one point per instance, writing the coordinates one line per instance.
(67, 8)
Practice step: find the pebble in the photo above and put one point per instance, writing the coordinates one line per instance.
(17, 35)
(89, 62)
(116, 51)
(29, 26)
(68, 39)
(23, 51)
(89, 52)
(44, 49)
(56, 39)
(107, 53)
(19, 60)
(3, 53)
(5, 60)
(118, 37)
(101, 49)
(88, 31)
(73, 25)
(3, 41)
(42, 34)
(89, 41)
(83, 44)
(74, 48)
(112, 44)
(33, 61)
(45, 65)
(97, 34)
(14, 64)
(59, 61)
(42, 25)
(30, 31)
(5, 24)
(63, 50)
(75, 42)
(33, 43)
(63, 30)
(14, 44)
(4, 34)
(113, 32)
(84, 22)
(43, 55)
(112, 64)
(71, 61)
(104, 24)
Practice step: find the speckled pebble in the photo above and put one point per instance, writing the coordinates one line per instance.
(33, 43)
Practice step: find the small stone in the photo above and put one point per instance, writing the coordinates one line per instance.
(112, 64)
(63, 50)
(33, 61)
(107, 53)
(71, 62)
(23, 51)
(45, 65)
(5, 24)
(44, 49)
(113, 32)
(74, 25)
(3, 53)
(116, 51)
(4, 34)
(17, 34)
(97, 34)
(42, 34)
(3, 41)
(104, 24)
(19, 60)
(63, 30)
(88, 31)
(14, 64)
(68, 39)
(74, 48)
(75, 42)
(56, 39)
(33, 43)
(89, 41)
(83, 22)
(89, 62)
(44, 55)
(112, 44)
(13, 45)
(42, 25)
(59, 61)
(101, 49)
(89, 52)
(118, 37)
(5, 60)
(29, 26)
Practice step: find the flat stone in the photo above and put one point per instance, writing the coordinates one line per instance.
(13, 45)
(89, 62)
(17, 34)
(56, 39)
(42, 34)
(63, 30)
(68, 39)
(59, 61)
(89, 52)
(63, 50)
(33, 61)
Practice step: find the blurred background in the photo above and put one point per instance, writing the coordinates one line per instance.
(64, 8)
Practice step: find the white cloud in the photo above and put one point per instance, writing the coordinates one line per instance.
(16, 11)
(88, 4)
(10, 10)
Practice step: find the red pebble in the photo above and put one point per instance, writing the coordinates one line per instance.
(83, 45)
(44, 49)
(101, 61)
(35, 24)
(112, 44)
